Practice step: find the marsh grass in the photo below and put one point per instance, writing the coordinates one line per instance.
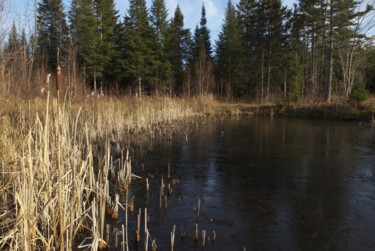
(57, 159)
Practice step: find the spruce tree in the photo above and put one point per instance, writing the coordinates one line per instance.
(179, 42)
(85, 37)
(202, 38)
(163, 66)
(13, 41)
(229, 54)
(140, 41)
(52, 32)
(107, 17)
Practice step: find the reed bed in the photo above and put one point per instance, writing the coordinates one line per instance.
(57, 160)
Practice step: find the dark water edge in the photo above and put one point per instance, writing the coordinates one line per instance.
(264, 184)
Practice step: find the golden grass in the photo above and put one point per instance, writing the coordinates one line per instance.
(49, 189)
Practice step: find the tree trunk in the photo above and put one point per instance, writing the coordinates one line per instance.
(140, 87)
(329, 66)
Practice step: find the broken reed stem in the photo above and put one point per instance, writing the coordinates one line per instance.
(169, 171)
(138, 232)
(146, 221)
(107, 231)
(124, 242)
(196, 233)
(115, 233)
(199, 207)
(172, 237)
(115, 206)
(203, 237)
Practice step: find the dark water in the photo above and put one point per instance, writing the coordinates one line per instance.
(263, 184)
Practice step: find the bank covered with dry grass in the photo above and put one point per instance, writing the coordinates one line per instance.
(50, 192)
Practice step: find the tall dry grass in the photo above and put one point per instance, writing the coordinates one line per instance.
(51, 190)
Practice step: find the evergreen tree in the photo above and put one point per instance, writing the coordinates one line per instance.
(202, 38)
(179, 48)
(13, 41)
(84, 37)
(250, 69)
(163, 67)
(107, 17)
(140, 41)
(52, 32)
(229, 53)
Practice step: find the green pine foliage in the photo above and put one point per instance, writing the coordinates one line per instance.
(178, 47)
(52, 33)
(228, 56)
(85, 37)
(147, 53)
(140, 47)
(163, 66)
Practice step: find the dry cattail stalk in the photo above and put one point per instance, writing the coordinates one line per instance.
(115, 233)
(196, 233)
(153, 245)
(172, 237)
(203, 237)
(169, 189)
(199, 207)
(58, 78)
(147, 185)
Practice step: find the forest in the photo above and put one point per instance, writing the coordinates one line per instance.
(318, 50)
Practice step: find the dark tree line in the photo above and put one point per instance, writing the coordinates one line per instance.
(265, 50)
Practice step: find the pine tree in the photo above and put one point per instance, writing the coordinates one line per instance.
(229, 53)
(52, 32)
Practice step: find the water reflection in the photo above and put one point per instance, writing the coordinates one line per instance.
(267, 184)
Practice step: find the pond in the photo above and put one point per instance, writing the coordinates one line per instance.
(263, 184)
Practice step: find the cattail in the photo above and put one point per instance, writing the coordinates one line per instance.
(153, 245)
(58, 78)
(172, 237)
(169, 189)
(203, 237)
(115, 232)
(199, 207)
(196, 233)
(107, 228)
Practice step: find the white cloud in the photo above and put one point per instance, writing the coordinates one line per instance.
(211, 9)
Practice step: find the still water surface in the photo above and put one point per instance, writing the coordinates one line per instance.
(264, 184)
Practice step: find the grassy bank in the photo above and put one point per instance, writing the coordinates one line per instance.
(50, 192)
(361, 112)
